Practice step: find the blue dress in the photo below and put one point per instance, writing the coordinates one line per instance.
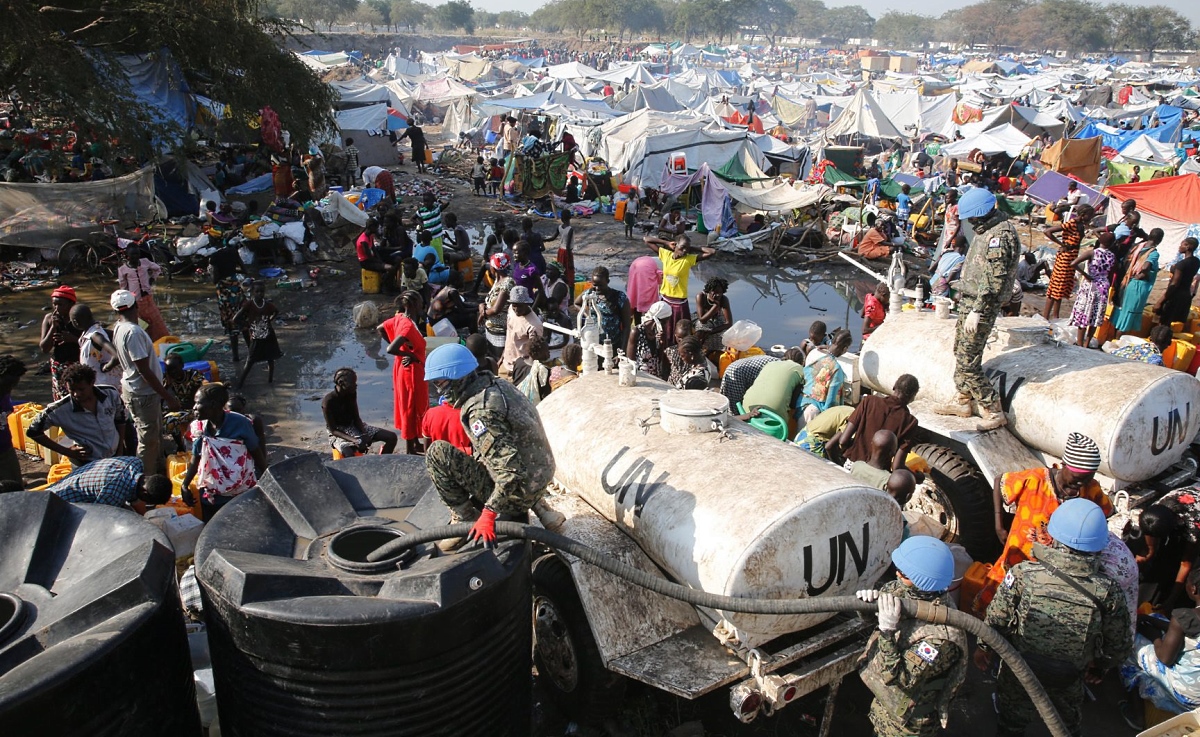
(1137, 292)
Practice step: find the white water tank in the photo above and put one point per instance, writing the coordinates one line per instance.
(736, 513)
(1143, 417)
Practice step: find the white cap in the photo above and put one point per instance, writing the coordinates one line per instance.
(122, 299)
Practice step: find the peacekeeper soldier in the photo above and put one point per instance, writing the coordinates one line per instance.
(1068, 620)
(913, 667)
(511, 462)
(986, 284)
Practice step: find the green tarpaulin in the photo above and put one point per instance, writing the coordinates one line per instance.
(835, 177)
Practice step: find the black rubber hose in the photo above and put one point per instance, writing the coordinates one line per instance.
(923, 610)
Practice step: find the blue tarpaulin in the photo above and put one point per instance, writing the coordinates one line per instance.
(1121, 139)
(157, 83)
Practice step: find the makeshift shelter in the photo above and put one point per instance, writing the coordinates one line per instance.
(916, 115)
(1005, 139)
(638, 73)
(1145, 149)
(47, 214)
(1075, 157)
(863, 117)
(571, 70)
(639, 145)
(979, 66)
(1051, 187)
(1171, 203)
(655, 97)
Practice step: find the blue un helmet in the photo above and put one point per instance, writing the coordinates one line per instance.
(1080, 525)
(976, 203)
(926, 561)
(450, 362)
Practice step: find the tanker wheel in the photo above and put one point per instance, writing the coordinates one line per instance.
(568, 662)
(958, 496)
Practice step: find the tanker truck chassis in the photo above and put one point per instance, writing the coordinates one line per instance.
(593, 628)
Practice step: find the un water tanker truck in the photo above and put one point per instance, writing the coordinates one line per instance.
(666, 481)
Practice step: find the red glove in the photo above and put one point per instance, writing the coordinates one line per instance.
(485, 527)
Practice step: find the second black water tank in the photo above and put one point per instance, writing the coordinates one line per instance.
(92, 640)
(307, 638)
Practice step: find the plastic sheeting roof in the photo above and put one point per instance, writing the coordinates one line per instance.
(1175, 198)
(1005, 139)
(636, 72)
(571, 70)
(863, 116)
(361, 90)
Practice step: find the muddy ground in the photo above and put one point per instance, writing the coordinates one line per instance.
(317, 336)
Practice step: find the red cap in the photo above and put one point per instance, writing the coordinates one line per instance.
(65, 292)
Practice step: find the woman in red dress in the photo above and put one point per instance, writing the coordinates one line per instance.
(409, 390)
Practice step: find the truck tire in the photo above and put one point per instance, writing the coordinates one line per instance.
(969, 497)
(569, 665)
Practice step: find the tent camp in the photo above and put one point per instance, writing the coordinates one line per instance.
(654, 97)
(571, 70)
(915, 115)
(1075, 157)
(1171, 203)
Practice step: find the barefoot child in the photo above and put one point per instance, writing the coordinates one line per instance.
(259, 314)
(479, 174)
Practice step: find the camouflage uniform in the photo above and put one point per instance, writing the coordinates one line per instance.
(913, 671)
(987, 282)
(512, 462)
(1059, 631)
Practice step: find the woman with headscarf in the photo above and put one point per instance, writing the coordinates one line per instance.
(646, 343)
(493, 311)
(1031, 496)
(59, 337)
(1138, 281)
(1088, 311)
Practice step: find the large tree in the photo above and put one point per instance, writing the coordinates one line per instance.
(1146, 28)
(62, 62)
(409, 14)
(456, 14)
(1074, 26)
(904, 30)
(847, 22)
(772, 18)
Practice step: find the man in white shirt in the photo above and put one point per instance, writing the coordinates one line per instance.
(141, 380)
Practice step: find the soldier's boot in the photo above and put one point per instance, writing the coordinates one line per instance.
(465, 512)
(550, 519)
(960, 406)
(991, 418)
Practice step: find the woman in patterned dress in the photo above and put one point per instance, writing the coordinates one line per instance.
(1088, 312)
(1068, 236)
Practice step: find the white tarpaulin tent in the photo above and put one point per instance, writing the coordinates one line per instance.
(916, 115)
(361, 91)
(366, 118)
(654, 97)
(571, 70)
(780, 197)
(863, 117)
(1005, 139)
(616, 136)
(1145, 148)
(45, 215)
(643, 161)
(637, 72)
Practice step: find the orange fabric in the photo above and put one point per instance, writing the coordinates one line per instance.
(1032, 494)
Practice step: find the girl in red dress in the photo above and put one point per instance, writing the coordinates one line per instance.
(409, 390)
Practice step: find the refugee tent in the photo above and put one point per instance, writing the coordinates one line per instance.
(1170, 203)
(863, 117)
(639, 145)
(157, 82)
(655, 97)
(1075, 157)
(1051, 187)
(637, 72)
(916, 115)
(979, 66)
(34, 214)
(1117, 139)
(1147, 149)
(571, 70)
(441, 91)
(360, 92)
(1005, 139)
(1120, 170)
(1028, 120)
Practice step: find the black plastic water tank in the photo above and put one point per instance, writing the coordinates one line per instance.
(92, 639)
(307, 638)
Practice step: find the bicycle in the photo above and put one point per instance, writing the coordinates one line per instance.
(99, 252)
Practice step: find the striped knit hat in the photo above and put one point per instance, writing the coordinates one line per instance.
(1081, 453)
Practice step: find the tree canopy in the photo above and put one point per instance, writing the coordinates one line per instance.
(61, 64)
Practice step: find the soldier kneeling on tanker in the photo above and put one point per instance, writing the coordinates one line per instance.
(511, 461)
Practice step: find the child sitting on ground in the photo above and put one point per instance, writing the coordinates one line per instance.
(348, 434)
